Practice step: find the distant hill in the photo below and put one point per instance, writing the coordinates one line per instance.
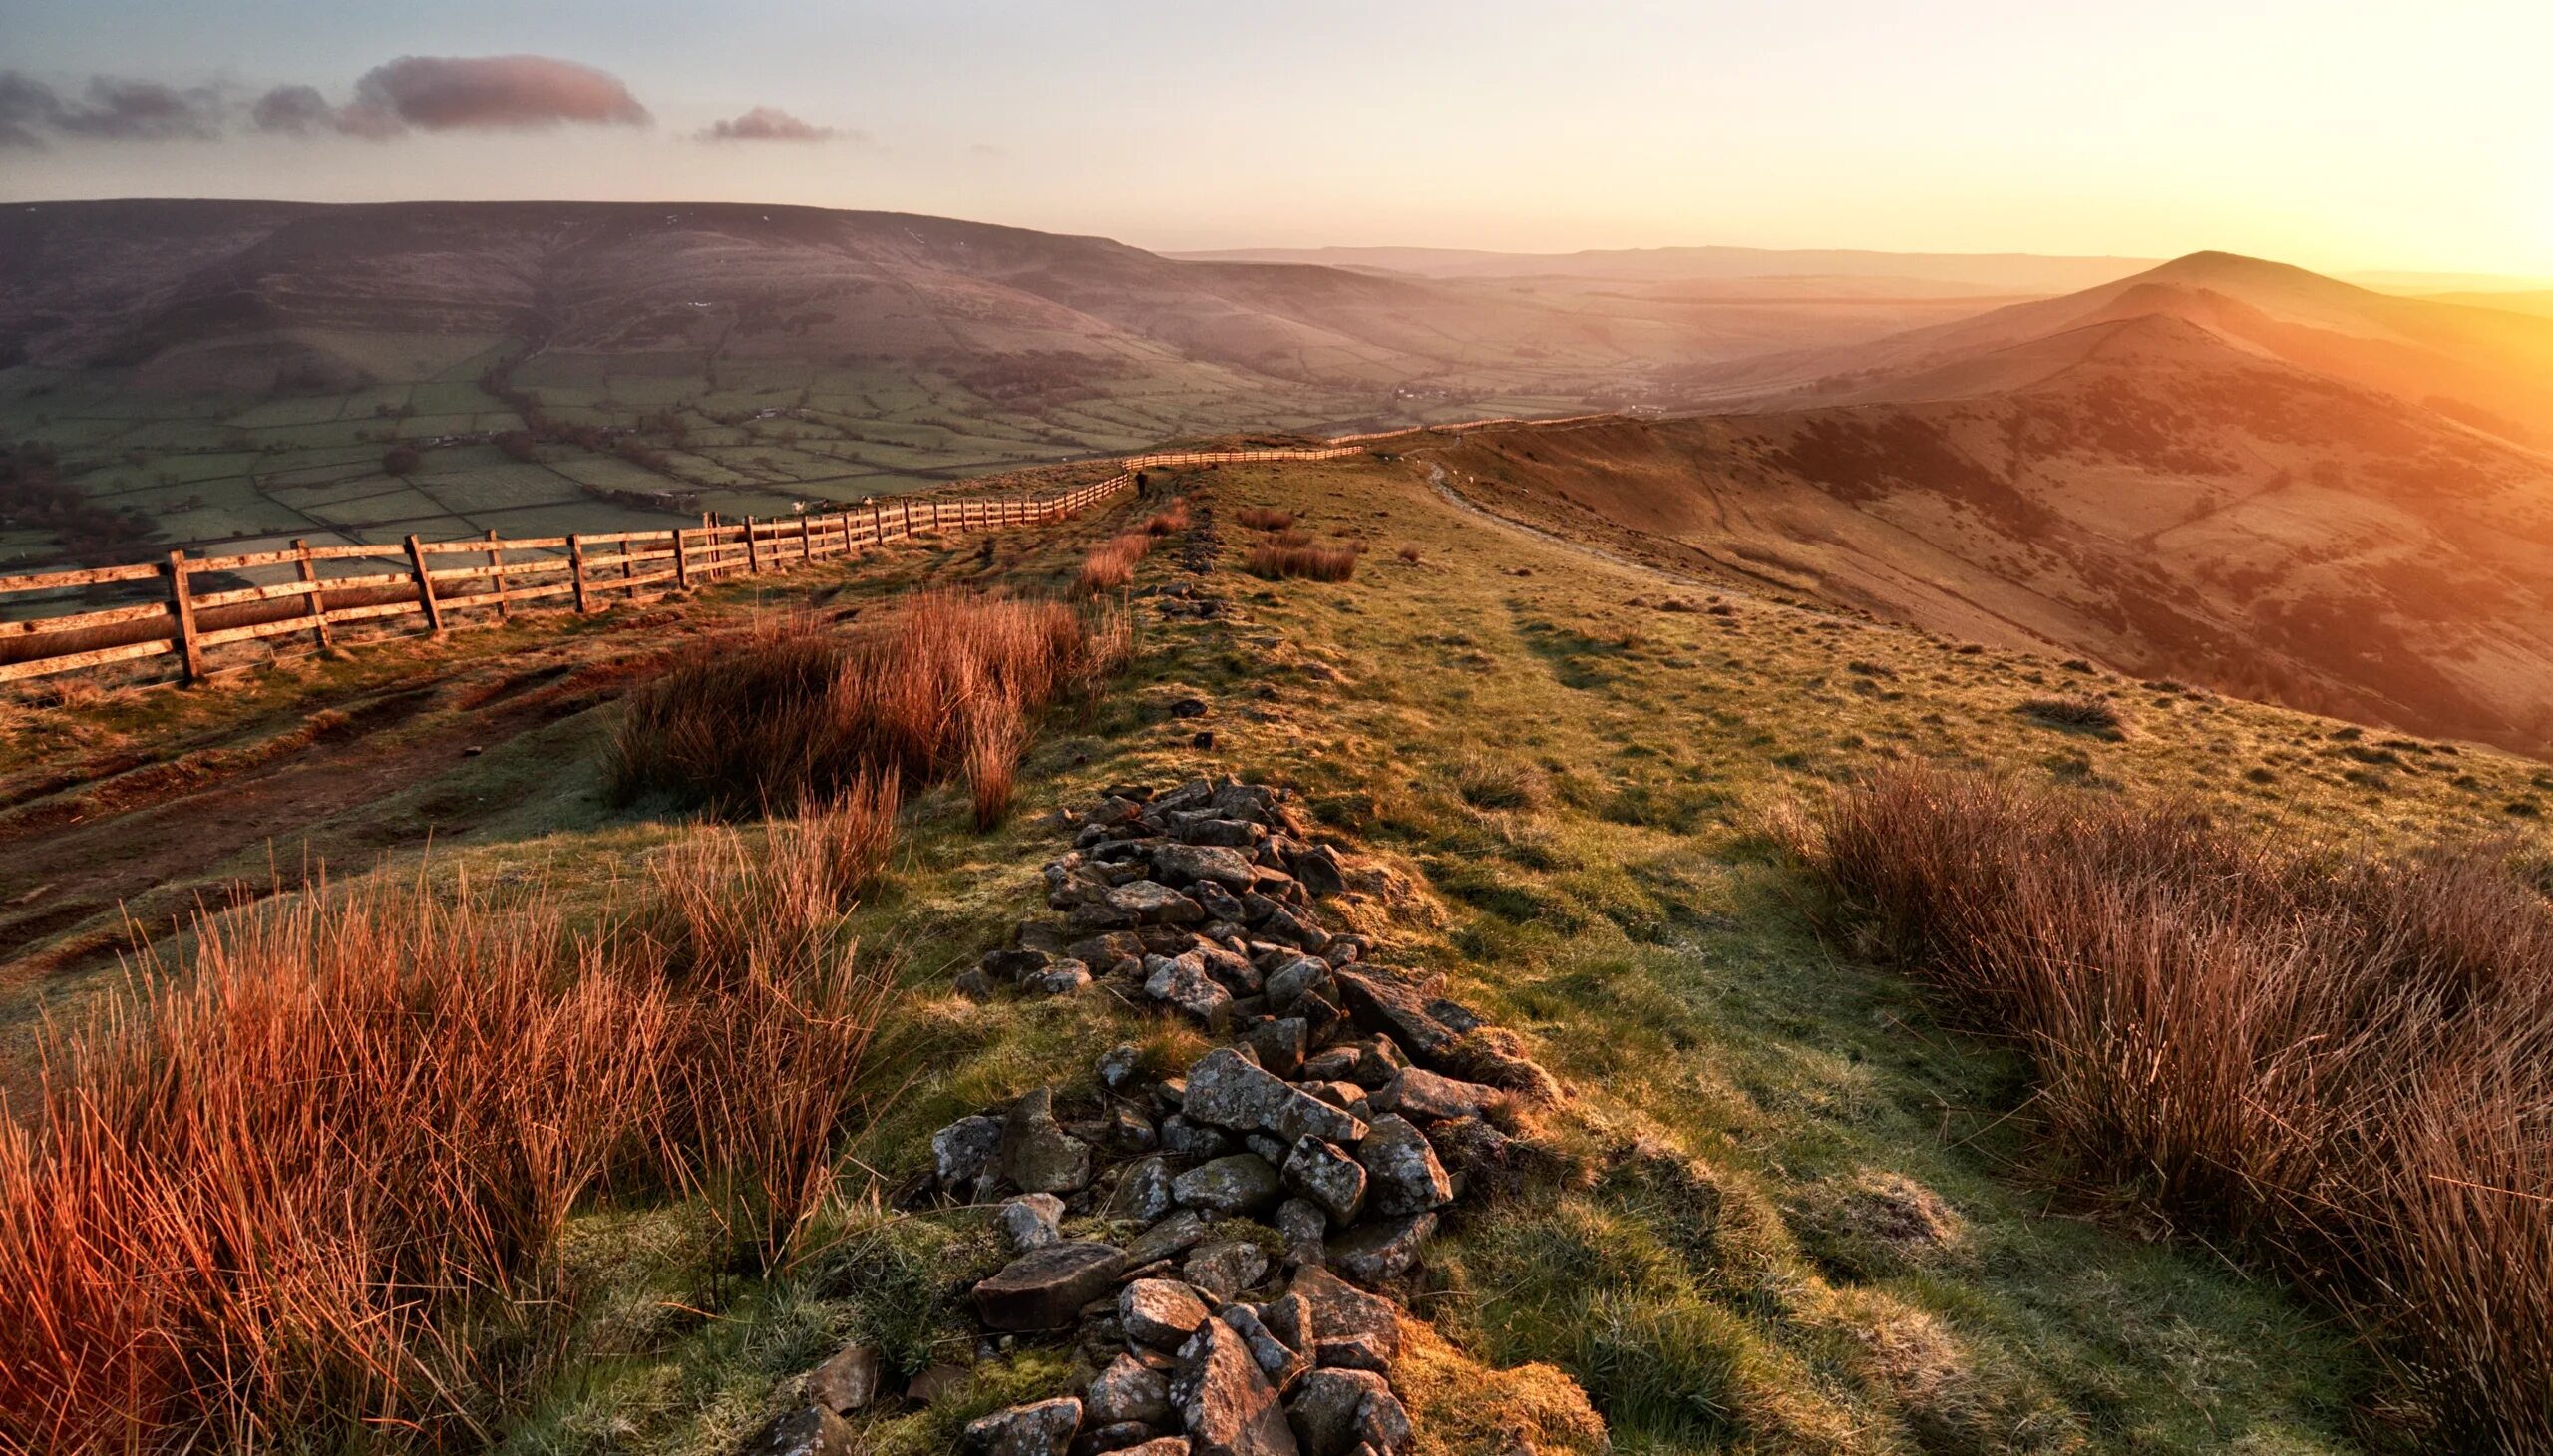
(1984, 274)
(2222, 470)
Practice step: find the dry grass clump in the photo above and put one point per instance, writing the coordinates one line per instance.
(1174, 519)
(1409, 555)
(1111, 565)
(1260, 517)
(1495, 781)
(1274, 560)
(790, 710)
(318, 1182)
(2078, 711)
(2346, 1063)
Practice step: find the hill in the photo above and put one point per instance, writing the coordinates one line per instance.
(2173, 480)
(1984, 274)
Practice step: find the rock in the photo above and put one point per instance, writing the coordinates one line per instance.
(1265, 1146)
(1352, 1352)
(1279, 1044)
(1382, 1423)
(1149, 902)
(1183, 981)
(1346, 1096)
(1045, 1289)
(1037, 1155)
(1186, 864)
(1381, 1250)
(1016, 966)
(936, 1384)
(1340, 1311)
(1180, 1138)
(1402, 1173)
(964, 1152)
(1324, 1173)
(1130, 1131)
(813, 1431)
(1226, 1266)
(1278, 1361)
(1226, 1089)
(1231, 969)
(1099, 1440)
(1220, 906)
(1318, 868)
(1396, 1010)
(1160, 1313)
(1120, 1065)
(1032, 1221)
(1171, 1237)
(1482, 1155)
(847, 1382)
(972, 985)
(1423, 1096)
(1066, 977)
(1302, 1223)
(1225, 1400)
(1287, 982)
(1325, 1406)
(1143, 1192)
(1127, 1390)
(1188, 708)
(1290, 1319)
(1205, 829)
(1160, 1447)
(1495, 1056)
(1044, 1429)
(1239, 1184)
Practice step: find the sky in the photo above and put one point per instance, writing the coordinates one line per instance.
(2376, 135)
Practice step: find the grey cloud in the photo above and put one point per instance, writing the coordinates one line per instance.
(109, 109)
(452, 93)
(771, 124)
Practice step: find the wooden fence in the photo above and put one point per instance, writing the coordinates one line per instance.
(480, 577)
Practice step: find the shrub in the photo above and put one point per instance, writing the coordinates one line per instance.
(2344, 1062)
(1260, 518)
(790, 710)
(2089, 714)
(1490, 781)
(1111, 565)
(1410, 554)
(1166, 522)
(1321, 564)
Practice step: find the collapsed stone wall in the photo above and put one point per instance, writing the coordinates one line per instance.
(1277, 1197)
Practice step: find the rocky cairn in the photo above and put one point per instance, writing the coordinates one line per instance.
(1265, 1208)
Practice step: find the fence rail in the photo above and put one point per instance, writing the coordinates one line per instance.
(500, 576)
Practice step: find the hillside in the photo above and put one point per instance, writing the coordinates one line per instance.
(1783, 1203)
(1983, 273)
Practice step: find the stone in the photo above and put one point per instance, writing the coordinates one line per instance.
(973, 984)
(1381, 1250)
(1278, 1361)
(1352, 1352)
(1325, 1406)
(1226, 1266)
(1032, 1221)
(1045, 1289)
(812, 1431)
(1171, 1237)
(1205, 829)
(1383, 1005)
(1015, 965)
(1318, 868)
(964, 1152)
(1143, 1192)
(1402, 1175)
(1279, 1044)
(936, 1383)
(1220, 906)
(1231, 969)
(1495, 1056)
(1290, 1319)
(1484, 1158)
(1340, 1311)
(1066, 977)
(1228, 1090)
(1423, 1096)
(1159, 1446)
(1382, 1423)
(1127, 1390)
(1182, 980)
(1265, 1146)
(1150, 902)
(1324, 1173)
(1099, 1440)
(1044, 1429)
(1037, 1155)
(848, 1382)
(1346, 1096)
(1120, 1065)
(1287, 982)
(1241, 1183)
(1225, 1400)
(1186, 864)
(1160, 1313)
(1130, 1131)
(1302, 1224)
(1180, 1138)
(1188, 708)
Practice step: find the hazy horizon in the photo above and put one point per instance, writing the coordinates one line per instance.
(1504, 128)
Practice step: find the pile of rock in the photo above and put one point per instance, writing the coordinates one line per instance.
(1263, 1208)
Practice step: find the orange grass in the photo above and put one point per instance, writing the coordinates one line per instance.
(1273, 559)
(1260, 518)
(1111, 565)
(1175, 518)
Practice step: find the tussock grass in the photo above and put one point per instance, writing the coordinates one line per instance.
(1110, 565)
(1260, 517)
(1174, 517)
(322, 1179)
(2344, 1062)
(789, 709)
(2079, 711)
(1274, 561)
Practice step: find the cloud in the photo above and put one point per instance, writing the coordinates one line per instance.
(110, 108)
(771, 124)
(454, 93)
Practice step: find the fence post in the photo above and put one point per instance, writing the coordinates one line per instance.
(682, 561)
(806, 537)
(576, 568)
(629, 564)
(425, 586)
(309, 570)
(497, 579)
(877, 523)
(182, 605)
(753, 553)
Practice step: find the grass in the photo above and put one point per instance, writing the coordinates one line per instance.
(1260, 518)
(1110, 567)
(2077, 711)
(1169, 521)
(1274, 559)
(2344, 1062)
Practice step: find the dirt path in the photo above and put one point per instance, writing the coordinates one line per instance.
(1444, 485)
